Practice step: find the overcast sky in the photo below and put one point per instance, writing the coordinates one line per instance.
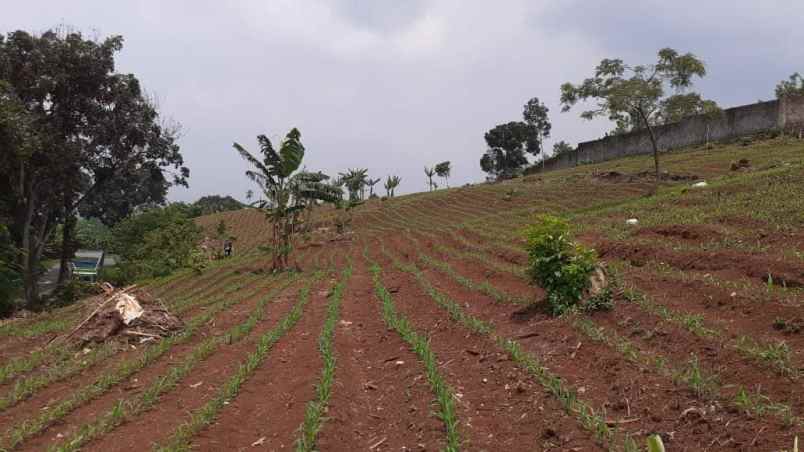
(393, 85)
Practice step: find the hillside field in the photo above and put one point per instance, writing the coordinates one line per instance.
(421, 331)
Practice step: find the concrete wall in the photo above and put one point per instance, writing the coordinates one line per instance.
(791, 113)
(787, 113)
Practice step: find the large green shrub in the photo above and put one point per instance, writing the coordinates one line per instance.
(154, 243)
(557, 263)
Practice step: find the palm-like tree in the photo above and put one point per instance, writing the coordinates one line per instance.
(390, 185)
(430, 172)
(355, 181)
(308, 188)
(286, 194)
(371, 183)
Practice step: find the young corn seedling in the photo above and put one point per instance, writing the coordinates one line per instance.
(444, 394)
(180, 440)
(315, 408)
(126, 410)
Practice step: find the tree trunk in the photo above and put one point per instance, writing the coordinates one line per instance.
(653, 142)
(26, 258)
(67, 245)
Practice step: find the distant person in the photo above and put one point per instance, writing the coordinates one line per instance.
(206, 248)
(227, 248)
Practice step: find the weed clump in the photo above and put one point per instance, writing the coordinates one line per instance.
(562, 267)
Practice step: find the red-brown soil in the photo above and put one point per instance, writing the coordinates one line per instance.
(625, 383)
(496, 398)
(376, 401)
(626, 364)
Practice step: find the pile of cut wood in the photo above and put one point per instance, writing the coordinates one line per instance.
(128, 315)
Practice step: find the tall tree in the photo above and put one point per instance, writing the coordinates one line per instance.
(633, 96)
(443, 170)
(507, 144)
(793, 86)
(562, 147)
(535, 115)
(92, 127)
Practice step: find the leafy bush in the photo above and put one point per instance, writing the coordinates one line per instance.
(71, 292)
(91, 233)
(154, 243)
(558, 264)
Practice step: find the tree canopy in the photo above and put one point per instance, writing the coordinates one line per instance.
(82, 136)
(507, 143)
(562, 147)
(443, 170)
(793, 86)
(634, 96)
(215, 203)
(535, 115)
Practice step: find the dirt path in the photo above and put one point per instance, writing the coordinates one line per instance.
(375, 401)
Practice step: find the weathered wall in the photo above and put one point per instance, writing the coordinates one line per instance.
(787, 114)
(791, 113)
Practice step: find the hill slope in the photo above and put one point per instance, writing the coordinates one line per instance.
(422, 331)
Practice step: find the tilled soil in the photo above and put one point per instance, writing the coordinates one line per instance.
(498, 402)
(632, 365)
(56, 391)
(643, 400)
(380, 397)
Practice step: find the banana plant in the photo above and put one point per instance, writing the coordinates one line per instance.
(285, 195)
(355, 181)
(443, 170)
(390, 185)
(308, 189)
(371, 183)
(430, 172)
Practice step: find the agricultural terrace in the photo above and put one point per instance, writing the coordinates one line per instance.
(419, 329)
